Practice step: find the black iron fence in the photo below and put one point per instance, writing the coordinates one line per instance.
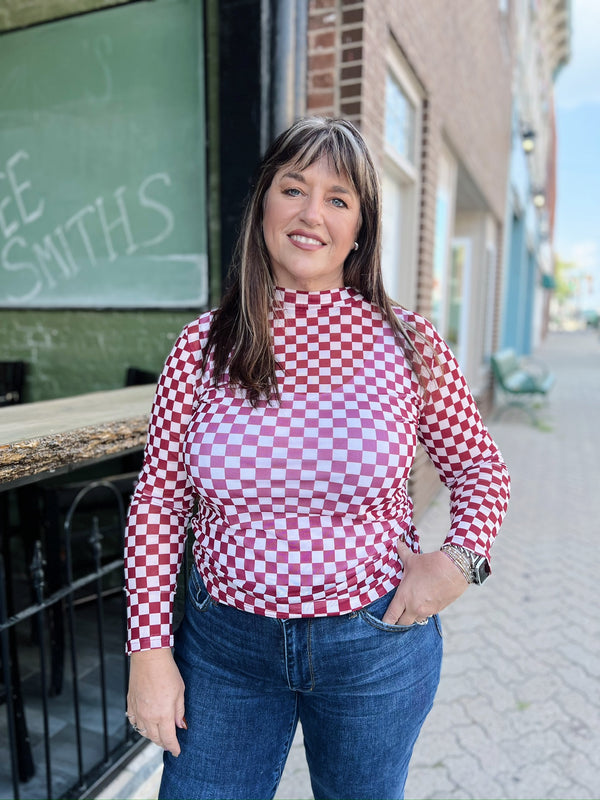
(63, 667)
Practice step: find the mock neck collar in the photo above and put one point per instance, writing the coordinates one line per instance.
(318, 299)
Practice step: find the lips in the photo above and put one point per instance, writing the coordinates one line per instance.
(308, 239)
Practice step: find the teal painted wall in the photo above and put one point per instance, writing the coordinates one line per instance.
(513, 311)
(73, 352)
(102, 161)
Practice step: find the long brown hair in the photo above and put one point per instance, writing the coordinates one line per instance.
(240, 333)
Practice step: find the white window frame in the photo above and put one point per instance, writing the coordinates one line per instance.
(400, 266)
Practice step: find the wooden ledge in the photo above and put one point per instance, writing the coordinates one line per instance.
(41, 438)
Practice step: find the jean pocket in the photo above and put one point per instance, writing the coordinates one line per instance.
(374, 612)
(197, 594)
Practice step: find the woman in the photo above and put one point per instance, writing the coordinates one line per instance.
(285, 426)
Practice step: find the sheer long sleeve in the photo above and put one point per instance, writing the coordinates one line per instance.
(162, 503)
(464, 454)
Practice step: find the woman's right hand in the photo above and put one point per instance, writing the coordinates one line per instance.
(155, 701)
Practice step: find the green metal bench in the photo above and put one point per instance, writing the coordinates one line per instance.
(521, 383)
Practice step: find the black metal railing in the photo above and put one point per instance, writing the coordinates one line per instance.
(64, 669)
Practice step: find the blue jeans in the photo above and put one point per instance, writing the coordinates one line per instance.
(361, 689)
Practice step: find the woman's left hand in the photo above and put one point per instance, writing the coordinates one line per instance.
(430, 583)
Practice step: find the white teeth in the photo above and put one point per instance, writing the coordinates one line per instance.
(304, 239)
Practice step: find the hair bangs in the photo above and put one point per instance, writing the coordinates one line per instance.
(334, 142)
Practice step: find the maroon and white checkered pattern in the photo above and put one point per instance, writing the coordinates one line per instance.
(300, 505)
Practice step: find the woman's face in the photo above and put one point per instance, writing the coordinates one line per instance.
(310, 223)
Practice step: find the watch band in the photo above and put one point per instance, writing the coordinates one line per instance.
(460, 558)
(475, 568)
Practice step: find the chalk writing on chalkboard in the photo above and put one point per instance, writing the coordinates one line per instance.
(101, 231)
(102, 161)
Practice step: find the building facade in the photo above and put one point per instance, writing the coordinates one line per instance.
(542, 48)
(430, 86)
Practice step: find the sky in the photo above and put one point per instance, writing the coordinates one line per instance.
(577, 99)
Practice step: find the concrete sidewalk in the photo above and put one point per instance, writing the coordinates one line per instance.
(517, 714)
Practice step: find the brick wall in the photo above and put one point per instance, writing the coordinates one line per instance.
(323, 58)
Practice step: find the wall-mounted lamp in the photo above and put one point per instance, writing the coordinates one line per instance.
(539, 198)
(528, 141)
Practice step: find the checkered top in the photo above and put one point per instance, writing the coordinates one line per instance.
(296, 508)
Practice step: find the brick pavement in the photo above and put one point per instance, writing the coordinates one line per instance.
(518, 710)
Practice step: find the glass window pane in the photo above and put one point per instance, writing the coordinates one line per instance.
(442, 223)
(399, 120)
(455, 295)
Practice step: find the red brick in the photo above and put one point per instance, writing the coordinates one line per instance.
(348, 73)
(352, 35)
(352, 54)
(351, 108)
(350, 90)
(323, 40)
(322, 80)
(352, 15)
(325, 20)
(320, 99)
(321, 61)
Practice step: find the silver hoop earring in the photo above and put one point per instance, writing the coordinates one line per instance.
(355, 246)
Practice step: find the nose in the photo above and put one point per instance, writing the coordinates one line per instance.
(312, 212)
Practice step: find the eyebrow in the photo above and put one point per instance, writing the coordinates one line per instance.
(298, 176)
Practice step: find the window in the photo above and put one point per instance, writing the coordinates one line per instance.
(400, 116)
(400, 180)
(459, 285)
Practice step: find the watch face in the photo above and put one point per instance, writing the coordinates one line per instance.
(481, 569)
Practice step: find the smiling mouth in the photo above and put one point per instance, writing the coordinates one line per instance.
(296, 237)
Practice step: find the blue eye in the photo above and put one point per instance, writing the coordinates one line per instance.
(293, 192)
(339, 203)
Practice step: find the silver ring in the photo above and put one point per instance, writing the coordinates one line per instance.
(422, 621)
(136, 729)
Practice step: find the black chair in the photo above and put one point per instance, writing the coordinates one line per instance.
(12, 382)
(138, 377)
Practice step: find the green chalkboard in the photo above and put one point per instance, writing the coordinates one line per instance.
(102, 176)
